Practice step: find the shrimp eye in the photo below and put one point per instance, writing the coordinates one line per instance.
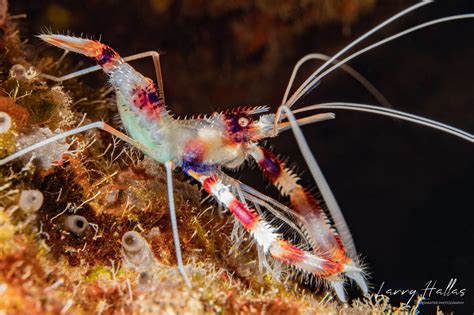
(243, 122)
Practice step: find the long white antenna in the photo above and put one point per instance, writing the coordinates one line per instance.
(391, 113)
(316, 79)
(342, 51)
(352, 44)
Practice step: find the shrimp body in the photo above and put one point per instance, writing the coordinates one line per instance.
(201, 147)
(202, 144)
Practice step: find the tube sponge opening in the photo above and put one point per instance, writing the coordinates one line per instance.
(5, 122)
(76, 224)
(137, 253)
(31, 200)
(19, 72)
(132, 242)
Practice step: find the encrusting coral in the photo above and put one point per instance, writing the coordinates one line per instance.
(84, 225)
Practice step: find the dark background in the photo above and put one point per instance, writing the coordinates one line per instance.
(406, 190)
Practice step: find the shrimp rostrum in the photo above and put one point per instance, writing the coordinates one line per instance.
(203, 147)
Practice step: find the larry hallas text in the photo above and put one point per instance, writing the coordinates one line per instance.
(431, 291)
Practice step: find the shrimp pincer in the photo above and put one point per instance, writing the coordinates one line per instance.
(204, 147)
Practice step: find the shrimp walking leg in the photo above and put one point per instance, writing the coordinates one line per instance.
(174, 224)
(95, 125)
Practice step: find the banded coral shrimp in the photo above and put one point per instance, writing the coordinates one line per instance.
(242, 121)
